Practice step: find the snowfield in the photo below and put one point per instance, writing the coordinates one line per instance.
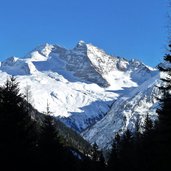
(90, 91)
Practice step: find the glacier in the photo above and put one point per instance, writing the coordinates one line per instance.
(92, 92)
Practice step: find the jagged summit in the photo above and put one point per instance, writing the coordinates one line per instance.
(88, 89)
(45, 49)
(81, 43)
(85, 63)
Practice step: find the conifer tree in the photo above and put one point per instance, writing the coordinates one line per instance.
(126, 151)
(101, 162)
(113, 162)
(51, 150)
(164, 113)
(17, 129)
(95, 154)
(137, 146)
(98, 161)
(148, 126)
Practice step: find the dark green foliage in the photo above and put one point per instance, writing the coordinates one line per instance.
(101, 162)
(49, 145)
(113, 162)
(30, 140)
(51, 152)
(95, 155)
(98, 160)
(148, 124)
(94, 160)
(150, 150)
(17, 129)
(163, 135)
(71, 138)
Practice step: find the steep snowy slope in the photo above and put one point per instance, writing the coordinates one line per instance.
(126, 110)
(81, 85)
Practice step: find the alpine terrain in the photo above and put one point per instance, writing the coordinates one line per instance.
(94, 93)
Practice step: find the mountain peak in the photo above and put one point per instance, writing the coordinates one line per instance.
(40, 53)
(87, 88)
(81, 45)
(81, 42)
(44, 49)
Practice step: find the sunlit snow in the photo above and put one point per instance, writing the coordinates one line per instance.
(89, 90)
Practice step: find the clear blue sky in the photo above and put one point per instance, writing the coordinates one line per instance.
(127, 28)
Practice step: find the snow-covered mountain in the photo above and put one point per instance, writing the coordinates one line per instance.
(90, 91)
(126, 111)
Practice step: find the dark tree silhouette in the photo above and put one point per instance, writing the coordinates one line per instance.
(51, 151)
(114, 162)
(164, 122)
(17, 128)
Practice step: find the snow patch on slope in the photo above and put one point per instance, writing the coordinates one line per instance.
(15, 66)
(125, 111)
(80, 84)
